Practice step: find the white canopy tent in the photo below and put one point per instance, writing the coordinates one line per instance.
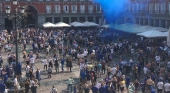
(48, 24)
(77, 24)
(151, 34)
(74, 23)
(90, 23)
(61, 24)
(168, 38)
(159, 29)
(132, 28)
(106, 26)
(142, 29)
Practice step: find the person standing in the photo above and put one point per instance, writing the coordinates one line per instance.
(45, 64)
(27, 87)
(2, 87)
(38, 76)
(56, 65)
(70, 64)
(33, 88)
(70, 84)
(167, 87)
(53, 90)
(160, 86)
(62, 64)
(49, 72)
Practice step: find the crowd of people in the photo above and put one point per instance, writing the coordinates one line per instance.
(110, 61)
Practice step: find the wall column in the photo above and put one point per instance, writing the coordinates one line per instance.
(144, 21)
(139, 22)
(69, 19)
(53, 20)
(61, 19)
(160, 22)
(154, 20)
(94, 19)
(78, 19)
(86, 18)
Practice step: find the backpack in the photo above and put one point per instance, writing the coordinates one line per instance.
(53, 90)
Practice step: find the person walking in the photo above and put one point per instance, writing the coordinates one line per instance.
(160, 86)
(2, 87)
(56, 64)
(62, 64)
(38, 76)
(27, 87)
(70, 84)
(34, 88)
(45, 64)
(53, 90)
(49, 72)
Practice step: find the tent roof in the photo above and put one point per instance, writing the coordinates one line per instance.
(48, 24)
(151, 34)
(61, 24)
(77, 24)
(87, 23)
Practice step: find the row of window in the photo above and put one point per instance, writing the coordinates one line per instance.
(57, 9)
(55, 0)
(158, 8)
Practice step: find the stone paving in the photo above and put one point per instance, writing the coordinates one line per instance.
(58, 80)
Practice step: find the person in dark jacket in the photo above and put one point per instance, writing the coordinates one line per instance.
(38, 76)
(56, 65)
(33, 88)
(2, 87)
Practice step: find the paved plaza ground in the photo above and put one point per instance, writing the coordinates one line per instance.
(58, 80)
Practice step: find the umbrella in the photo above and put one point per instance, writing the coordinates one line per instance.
(151, 33)
(90, 23)
(105, 26)
(77, 24)
(61, 24)
(48, 24)
(168, 38)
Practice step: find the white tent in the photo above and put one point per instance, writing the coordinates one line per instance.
(48, 24)
(131, 28)
(61, 24)
(90, 23)
(151, 34)
(77, 24)
(159, 29)
(168, 38)
(106, 26)
(142, 29)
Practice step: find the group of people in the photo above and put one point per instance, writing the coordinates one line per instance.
(109, 60)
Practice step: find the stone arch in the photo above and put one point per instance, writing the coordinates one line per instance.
(30, 15)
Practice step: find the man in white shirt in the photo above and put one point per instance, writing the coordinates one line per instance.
(145, 69)
(113, 70)
(32, 59)
(85, 53)
(160, 86)
(45, 64)
(27, 71)
(158, 59)
(167, 87)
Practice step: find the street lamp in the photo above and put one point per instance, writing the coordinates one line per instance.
(18, 15)
(0, 27)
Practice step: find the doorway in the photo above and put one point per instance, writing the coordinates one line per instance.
(30, 16)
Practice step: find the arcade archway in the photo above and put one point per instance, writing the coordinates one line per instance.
(30, 16)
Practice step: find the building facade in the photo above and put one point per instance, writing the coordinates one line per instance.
(40, 11)
(147, 12)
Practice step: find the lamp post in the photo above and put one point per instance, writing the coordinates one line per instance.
(0, 27)
(16, 16)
